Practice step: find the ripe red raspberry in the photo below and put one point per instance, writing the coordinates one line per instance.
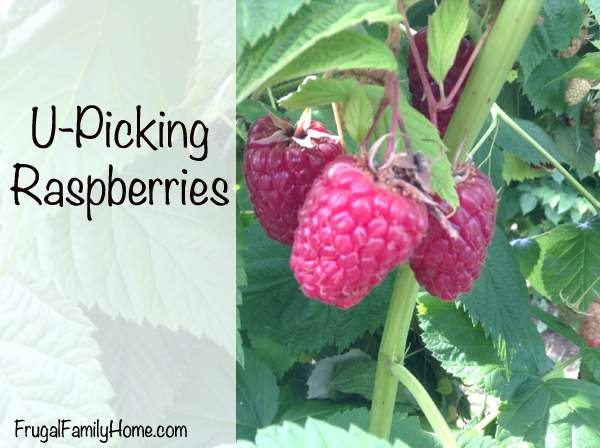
(590, 329)
(352, 231)
(279, 170)
(419, 100)
(446, 266)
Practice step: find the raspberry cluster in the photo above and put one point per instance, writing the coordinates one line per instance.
(351, 224)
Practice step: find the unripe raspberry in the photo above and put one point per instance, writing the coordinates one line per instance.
(280, 169)
(590, 329)
(575, 45)
(353, 229)
(577, 89)
(448, 266)
(419, 99)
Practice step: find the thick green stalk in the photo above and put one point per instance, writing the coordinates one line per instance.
(511, 29)
(540, 149)
(392, 350)
(433, 415)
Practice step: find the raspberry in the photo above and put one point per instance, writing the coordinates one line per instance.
(419, 99)
(352, 231)
(448, 266)
(279, 170)
(577, 89)
(590, 329)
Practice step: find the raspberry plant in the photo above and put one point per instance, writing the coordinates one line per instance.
(440, 193)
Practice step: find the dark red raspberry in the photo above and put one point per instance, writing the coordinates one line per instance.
(279, 170)
(446, 266)
(419, 100)
(590, 329)
(352, 231)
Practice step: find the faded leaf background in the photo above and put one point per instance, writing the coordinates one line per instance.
(131, 315)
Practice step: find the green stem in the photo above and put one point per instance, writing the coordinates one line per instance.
(562, 170)
(434, 417)
(392, 350)
(503, 46)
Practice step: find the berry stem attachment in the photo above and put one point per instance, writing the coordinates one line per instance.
(432, 413)
(382, 105)
(392, 350)
(431, 101)
(540, 149)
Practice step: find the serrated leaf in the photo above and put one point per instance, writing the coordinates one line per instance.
(554, 413)
(527, 252)
(561, 22)
(461, 346)
(577, 148)
(275, 355)
(316, 434)
(541, 91)
(499, 302)
(257, 18)
(404, 429)
(447, 26)
(315, 21)
(49, 358)
(516, 169)
(512, 142)
(571, 265)
(342, 51)
(320, 92)
(358, 114)
(275, 307)
(257, 396)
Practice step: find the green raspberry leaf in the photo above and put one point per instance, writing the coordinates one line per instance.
(553, 413)
(257, 396)
(256, 18)
(342, 51)
(571, 265)
(447, 26)
(404, 429)
(358, 114)
(560, 22)
(316, 20)
(499, 302)
(463, 348)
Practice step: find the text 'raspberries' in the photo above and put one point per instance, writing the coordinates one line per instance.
(279, 172)
(446, 266)
(419, 99)
(352, 231)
